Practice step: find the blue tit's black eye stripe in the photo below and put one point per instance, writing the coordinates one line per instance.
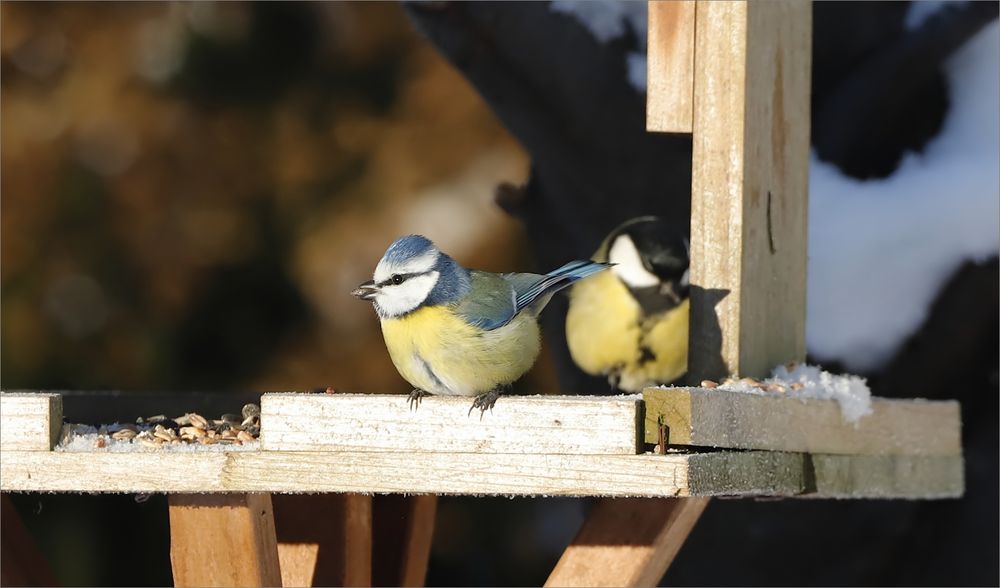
(396, 279)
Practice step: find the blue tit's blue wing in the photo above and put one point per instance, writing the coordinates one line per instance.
(533, 291)
(489, 303)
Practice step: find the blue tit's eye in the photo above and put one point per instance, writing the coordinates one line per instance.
(396, 279)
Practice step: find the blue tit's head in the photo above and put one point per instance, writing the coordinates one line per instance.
(413, 273)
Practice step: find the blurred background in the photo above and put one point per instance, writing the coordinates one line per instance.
(188, 192)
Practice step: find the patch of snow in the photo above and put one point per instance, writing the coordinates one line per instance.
(850, 392)
(880, 250)
(608, 20)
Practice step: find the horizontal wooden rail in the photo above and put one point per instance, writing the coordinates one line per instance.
(737, 420)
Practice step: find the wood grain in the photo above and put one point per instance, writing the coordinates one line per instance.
(749, 187)
(32, 421)
(735, 420)
(627, 542)
(431, 473)
(517, 424)
(223, 540)
(324, 539)
(670, 66)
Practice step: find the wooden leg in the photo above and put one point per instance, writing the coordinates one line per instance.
(627, 542)
(404, 528)
(324, 539)
(223, 540)
(23, 564)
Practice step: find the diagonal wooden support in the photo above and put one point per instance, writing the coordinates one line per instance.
(750, 123)
(223, 540)
(627, 542)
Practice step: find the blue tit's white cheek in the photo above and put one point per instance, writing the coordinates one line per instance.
(398, 299)
(628, 264)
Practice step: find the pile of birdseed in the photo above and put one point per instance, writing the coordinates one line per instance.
(190, 431)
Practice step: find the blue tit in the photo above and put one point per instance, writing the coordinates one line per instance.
(631, 324)
(460, 332)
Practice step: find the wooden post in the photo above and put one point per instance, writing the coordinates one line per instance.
(670, 67)
(750, 124)
(324, 539)
(749, 186)
(403, 528)
(223, 540)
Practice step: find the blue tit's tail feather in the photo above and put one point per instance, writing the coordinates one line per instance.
(534, 291)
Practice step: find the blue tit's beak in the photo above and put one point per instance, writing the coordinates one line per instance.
(365, 291)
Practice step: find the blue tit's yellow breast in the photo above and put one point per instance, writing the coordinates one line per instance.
(436, 350)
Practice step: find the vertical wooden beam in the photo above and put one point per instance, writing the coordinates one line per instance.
(670, 66)
(627, 542)
(749, 186)
(324, 539)
(750, 124)
(404, 529)
(23, 564)
(223, 540)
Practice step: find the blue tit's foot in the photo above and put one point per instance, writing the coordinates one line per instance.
(415, 397)
(485, 402)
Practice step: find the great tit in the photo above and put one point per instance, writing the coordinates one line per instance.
(459, 332)
(631, 324)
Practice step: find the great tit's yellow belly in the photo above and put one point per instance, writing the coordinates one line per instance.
(607, 334)
(438, 352)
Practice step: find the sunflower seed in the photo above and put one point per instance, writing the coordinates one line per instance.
(250, 410)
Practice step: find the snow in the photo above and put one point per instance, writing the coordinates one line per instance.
(610, 20)
(880, 250)
(850, 392)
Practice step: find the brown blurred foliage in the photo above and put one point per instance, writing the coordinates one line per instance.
(190, 190)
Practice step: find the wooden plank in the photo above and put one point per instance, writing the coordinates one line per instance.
(403, 532)
(670, 67)
(324, 539)
(431, 473)
(735, 420)
(23, 563)
(517, 424)
(223, 540)
(31, 421)
(627, 542)
(888, 476)
(749, 187)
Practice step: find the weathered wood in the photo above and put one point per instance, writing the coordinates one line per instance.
(31, 421)
(222, 540)
(670, 66)
(749, 187)
(403, 532)
(735, 420)
(517, 424)
(627, 542)
(888, 476)
(430, 473)
(324, 539)
(23, 563)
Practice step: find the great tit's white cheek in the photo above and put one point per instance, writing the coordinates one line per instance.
(399, 299)
(628, 264)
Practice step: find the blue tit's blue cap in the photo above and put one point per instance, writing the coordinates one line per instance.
(408, 247)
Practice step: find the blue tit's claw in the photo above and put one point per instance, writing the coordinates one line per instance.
(484, 402)
(415, 397)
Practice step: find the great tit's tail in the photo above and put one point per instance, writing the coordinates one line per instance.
(534, 292)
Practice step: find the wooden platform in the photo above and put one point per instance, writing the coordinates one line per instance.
(527, 446)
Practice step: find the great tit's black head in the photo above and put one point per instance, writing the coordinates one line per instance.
(651, 257)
